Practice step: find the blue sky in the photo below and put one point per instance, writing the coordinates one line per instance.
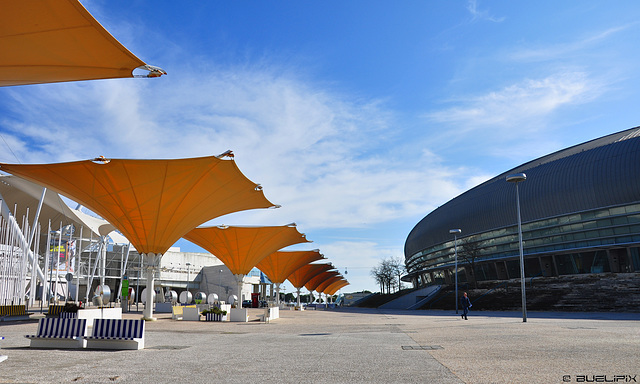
(358, 117)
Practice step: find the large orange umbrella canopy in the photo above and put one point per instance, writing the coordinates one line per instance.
(48, 41)
(312, 284)
(333, 288)
(279, 265)
(242, 248)
(153, 203)
(305, 273)
(323, 285)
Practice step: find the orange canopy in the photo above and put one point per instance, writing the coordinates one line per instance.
(242, 248)
(333, 288)
(151, 202)
(305, 273)
(279, 265)
(325, 284)
(49, 41)
(315, 281)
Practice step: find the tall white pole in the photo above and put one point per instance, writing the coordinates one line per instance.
(12, 224)
(455, 245)
(522, 286)
(77, 264)
(516, 179)
(55, 289)
(103, 260)
(46, 285)
(89, 274)
(455, 233)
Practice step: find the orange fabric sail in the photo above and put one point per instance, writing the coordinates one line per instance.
(322, 286)
(153, 203)
(333, 288)
(279, 265)
(312, 284)
(242, 248)
(305, 273)
(49, 41)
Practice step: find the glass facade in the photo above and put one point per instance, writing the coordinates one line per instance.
(577, 243)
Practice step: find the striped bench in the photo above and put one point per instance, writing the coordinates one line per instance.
(68, 315)
(116, 334)
(59, 333)
(14, 312)
(54, 310)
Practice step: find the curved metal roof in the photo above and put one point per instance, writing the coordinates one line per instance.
(599, 173)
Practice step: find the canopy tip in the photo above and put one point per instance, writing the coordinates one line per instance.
(153, 71)
(227, 153)
(101, 160)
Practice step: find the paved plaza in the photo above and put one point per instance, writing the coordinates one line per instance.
(349, 346)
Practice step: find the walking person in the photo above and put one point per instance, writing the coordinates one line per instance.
(466, 304)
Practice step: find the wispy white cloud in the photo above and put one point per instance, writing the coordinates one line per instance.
(479, 14)
(555, 51)
(521, 103)
(325, 157)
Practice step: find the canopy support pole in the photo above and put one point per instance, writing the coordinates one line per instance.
(239, 279)
(153, 260)
(278, 294)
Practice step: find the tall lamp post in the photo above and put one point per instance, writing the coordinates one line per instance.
(516, 178)
(188, 274)
(455, 233)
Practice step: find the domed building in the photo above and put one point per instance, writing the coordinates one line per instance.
(580, 212)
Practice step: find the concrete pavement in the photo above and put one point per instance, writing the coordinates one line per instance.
(348, 346)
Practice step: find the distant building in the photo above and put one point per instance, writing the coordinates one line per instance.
(580, 211)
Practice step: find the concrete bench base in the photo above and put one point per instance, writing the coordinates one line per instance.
(116, 334)
(57, 342)
(128, 344)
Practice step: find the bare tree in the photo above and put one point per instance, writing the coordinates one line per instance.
(385, 276)
(398, 268)
(386, 273)
(469, 251)
(377, 275)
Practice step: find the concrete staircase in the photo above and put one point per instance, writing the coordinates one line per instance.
(412, 299)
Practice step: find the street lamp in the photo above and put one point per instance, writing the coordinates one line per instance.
(516, 178)
(188, 274)
(455, 233)
(220, 282)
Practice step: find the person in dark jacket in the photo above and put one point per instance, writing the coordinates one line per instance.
(465, 303)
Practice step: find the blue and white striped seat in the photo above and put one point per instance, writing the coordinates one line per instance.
(68, 315)
(59, 333)
(116, 334)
